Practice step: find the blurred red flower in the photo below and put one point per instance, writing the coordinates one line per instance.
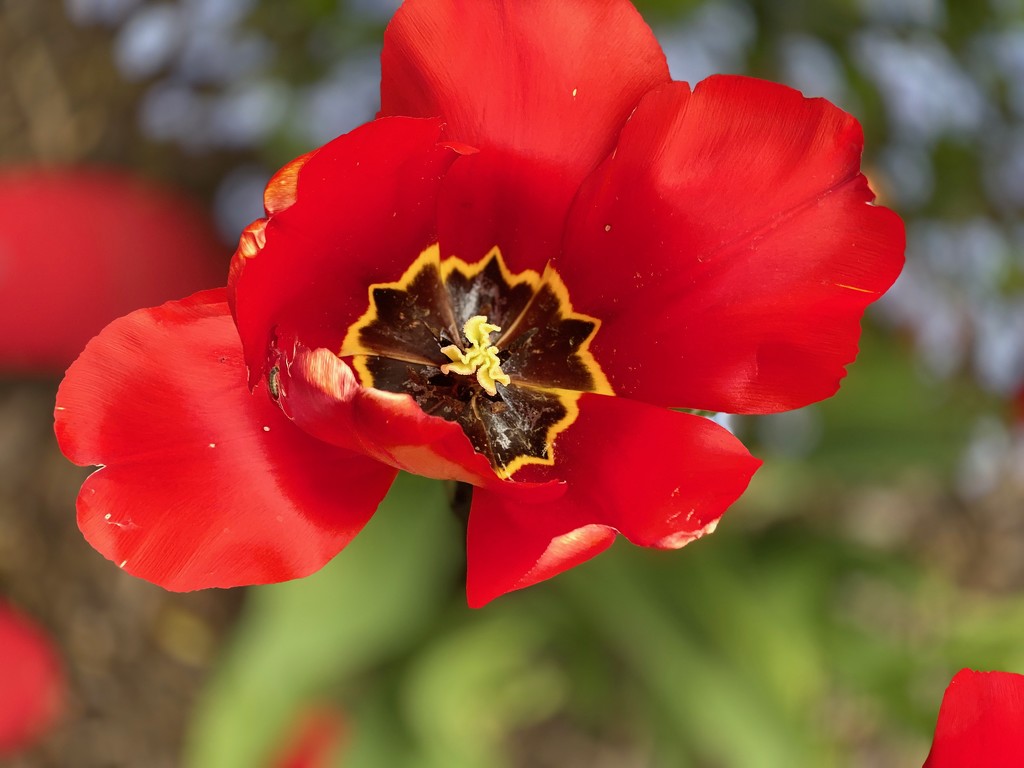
(981, 722)
(538, 220)
(315, 739)
(31, 683)
(81, 246)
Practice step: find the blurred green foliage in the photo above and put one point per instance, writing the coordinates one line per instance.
(778, 648)
(890, 418)
(300, 639)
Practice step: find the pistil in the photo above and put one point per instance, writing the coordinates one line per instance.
(480, 358)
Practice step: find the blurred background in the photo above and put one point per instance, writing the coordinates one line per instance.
(879, 549)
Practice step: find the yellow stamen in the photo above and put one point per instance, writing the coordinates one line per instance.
(481, 358)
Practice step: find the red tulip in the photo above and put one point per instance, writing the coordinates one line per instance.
(31, 685)
(509, 279)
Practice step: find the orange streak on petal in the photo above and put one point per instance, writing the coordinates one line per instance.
(282, 189)
(252, 239)
(855, 288)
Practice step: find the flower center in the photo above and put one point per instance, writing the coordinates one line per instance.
(409, 341)
(481, 358)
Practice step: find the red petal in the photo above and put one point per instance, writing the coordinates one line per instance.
(659, 477)
(321, 393)
(729, 249)
(981, 722)
(357, 211)
(495, 198)
(31, 683)
(80, 247)
(511, 547)
(543, 88)
(552, 81)
(204, 484)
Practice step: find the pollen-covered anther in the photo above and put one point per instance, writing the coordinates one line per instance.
(480, 358)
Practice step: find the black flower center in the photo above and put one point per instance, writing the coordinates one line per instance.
(502, 355)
